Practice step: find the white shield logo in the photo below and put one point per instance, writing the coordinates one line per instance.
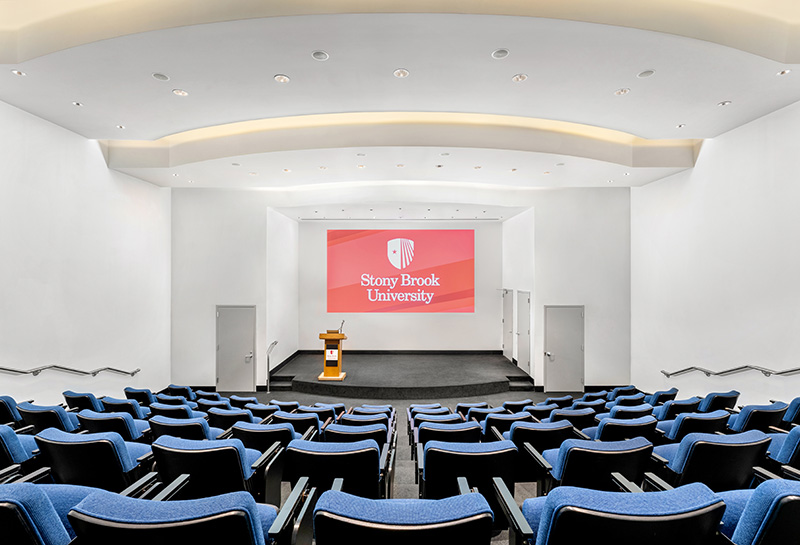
(400, 252)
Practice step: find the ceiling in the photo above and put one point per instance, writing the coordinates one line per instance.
(243, 97)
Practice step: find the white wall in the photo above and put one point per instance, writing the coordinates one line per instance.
(716, 263)
(582, 244)
(518, 262)
(403, 331)
(85, 268)
(282, 285)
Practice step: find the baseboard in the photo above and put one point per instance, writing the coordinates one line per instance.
(515, 362)
(596, 388)
(538, 388)
(283, 364)
(411, 352)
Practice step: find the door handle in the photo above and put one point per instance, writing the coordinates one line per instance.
(549, 355)
(248, 357)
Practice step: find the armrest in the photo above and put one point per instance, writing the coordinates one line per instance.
(35, 477)
(537, 457)
(659, 459)
(328, 421)
(420, 463)
(790, 473)
(624, 484)
(10, 472)
(26, 430)
(384, 458)
(774, 429)
(536, 420)
(773, 400)
(579, 434)
(519, 531)
(655, 482)
(146, 458)
(227, 434)
(309, 434)
(496, 433)
(764, 474)
(27, 401)
(294, 518)
(463, 486)
(136, 489)
(337, 485)
(172, 489)
(274, 450)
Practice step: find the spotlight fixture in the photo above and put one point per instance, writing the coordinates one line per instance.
(76, 103)
(253, 173)
(401, 73)
(18, 73)
(784, 72)
(724, 103)
(477, 168)
(120, 126)
(287, 170)
(361, 166)
(439, 166)
(176, 174)
(282, 78)
(519, 78)
(180, 93)
(500, 53)
(323, 168)
(680, 125)
(235, 165)
(160, 77)
(320, 55)
(400, 165)
(645, 73)
(622, 91)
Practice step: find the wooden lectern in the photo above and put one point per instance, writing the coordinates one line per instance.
(332, 360)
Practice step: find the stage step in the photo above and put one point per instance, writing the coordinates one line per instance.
(281, 383)
(520, 384)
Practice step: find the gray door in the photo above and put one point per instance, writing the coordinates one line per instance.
(563, 349)
(524, 331)
(236, 340)
(508, 324)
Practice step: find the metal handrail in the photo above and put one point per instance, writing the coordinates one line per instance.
(732, 371)
(36, 370)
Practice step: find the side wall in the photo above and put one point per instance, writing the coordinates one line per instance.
(85, 267)
(282, 285)
(716, 263)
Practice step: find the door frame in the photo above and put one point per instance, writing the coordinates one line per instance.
(529, 335)
(544, 343)
(216, 343)
(511, 336)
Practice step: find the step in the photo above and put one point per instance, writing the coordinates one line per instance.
(517, 384)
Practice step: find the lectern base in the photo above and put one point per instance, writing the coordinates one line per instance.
(332, 377)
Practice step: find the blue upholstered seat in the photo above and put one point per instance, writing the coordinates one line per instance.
(562, 401)
(761, 515)
(674, 430)
(596, 404)
(15, 449)
(176, 411)
(661, 396)
(630, 399)
(241, 401)
(621, 391)
(130, 406)
(516, 427)
(677, 455)
(65, 420)
(649, 513)
(480, 414)
(246, 456)
(127, 452)
(208, 432)
(784, 448)
(82, 400)
(560, 458)
(463, 408)
(287, 406)
(211, 396)
(266, 428)
(175, 400)
(757, 417)
(261, 410)
(122, 422)
(338, 408)
(718, 400)
(206, 404)
(463, 432)
(516, 406)
(466, 448)
(689, 405)
(592, 396)
(143, 395)
(580, 418)
(129, 514)
(626, 411)
(641, 426)
(541, 411)
(342, 432)
(225, 418)
(301, 422)
(792, 414)
(340, 517)
(8, 411)
(358, 463)
(43, 509)
(183, 391)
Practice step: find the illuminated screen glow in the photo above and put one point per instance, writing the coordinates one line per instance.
(401, 270)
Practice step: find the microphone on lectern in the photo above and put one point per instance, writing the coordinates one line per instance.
(341, 326)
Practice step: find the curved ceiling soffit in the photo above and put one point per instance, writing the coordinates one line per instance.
(413, 129)
(29, 29)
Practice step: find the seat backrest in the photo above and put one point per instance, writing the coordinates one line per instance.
(168, 399)
(324, 413)
(771, 515)
(358, 463)
(615, 429)
(428, 410)
(596, 404)
(621, 391)
(370, 410)
(205, 404)
(463, 408)
(215, 467)
(100, 460)
(792, 414)
(759, 417)
(42, 417)
(27, 517)
(111, 518)
(11, 449)
(670, 409)
(184, 428)
(686, 423)
(721, 462)
(363, 419)
(580, 418)
(591, 396)
(503, 422)
(516, 406)
(631, 411)
(80, 401)
(171, 411)
(481, 414)
(688, 515)
(121, 423)
(241, 401)
(718, 400)
(8, 411)
(589, 464)
(343, 518)
(130, 406)
(342, 433)
(224, 418)
(541, 411)
(563, 402)
(339, 408)
(261, 437)
(541, 435)
(211, 396)
(662, 396)
(631, 399)
(182, 391)
(260, 410)
(452, 418)
(300, 422)
(789, 453)
(463, 432)
(144, 396)
(287, 406)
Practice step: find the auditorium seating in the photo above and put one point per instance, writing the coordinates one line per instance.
(42, 417)
(185, 428)
(672, 431)
(260, 410)
(619, 429)
(660, 397)
(143, 395)
(757, 417)
(205, 404)
(224, 418)
(784, 449)
(580, 418)
(121, 423)
(175, 411)
(18, 448)
(241, 401)
(262, 436)
(766, 515)
(718, 400)
(670, 409)
(9, 415)
(181, 391)
(168, 399)
(130, 406)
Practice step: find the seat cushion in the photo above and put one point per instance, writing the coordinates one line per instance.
(28, 443)
(735, 500)
(64, 497)
(590, 432)
(31, 499)
(667, 451)
(137, 450)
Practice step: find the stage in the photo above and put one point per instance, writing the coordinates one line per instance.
(384, 375)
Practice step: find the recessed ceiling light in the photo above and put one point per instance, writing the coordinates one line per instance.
(401, 73)
(191, 181)
(680, 125)
(546, 172)
(627, 174)
(439, 166)
(370, 209)
(784, 72)
(160, 77)
(361, 154)
(120, 126)
(645, 73)
(361, 166)
(323, 168)
(320, 55)
(282, 78)
(286, 170)
(513, 170)
(180, 93)
(622, 91)
(253, 173)
(400, 165)
(519, 78)
(18, 73)
(76, 103)
(176, 174)
(235, 164)
(559, 164)
(500, 53)
(477, 168)
(724, 103)
(610, 181)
